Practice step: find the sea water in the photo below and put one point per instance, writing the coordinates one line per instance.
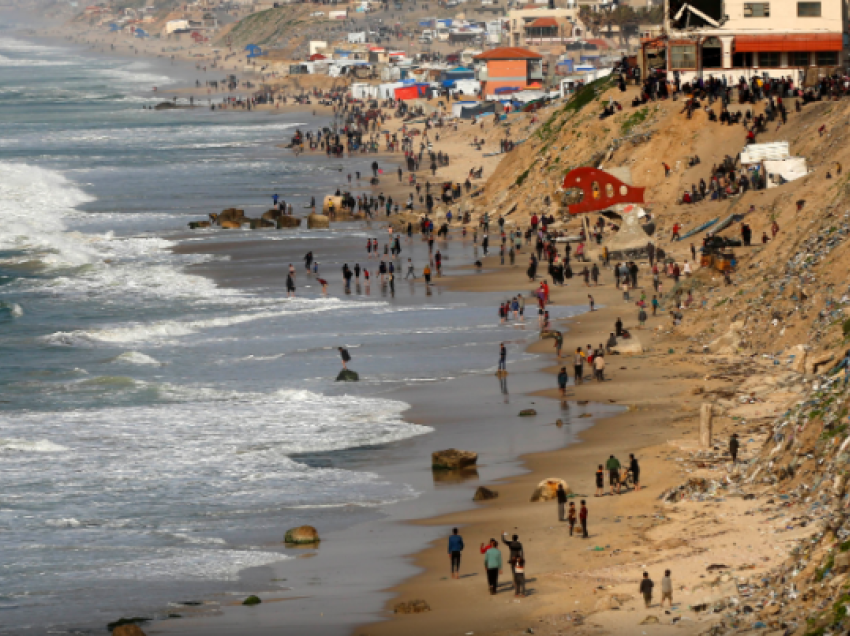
(149, 415)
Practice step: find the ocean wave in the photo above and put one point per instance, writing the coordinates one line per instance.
(167, 331)
(31, 446)
(135, 357)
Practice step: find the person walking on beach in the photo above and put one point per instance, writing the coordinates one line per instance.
(410, 271)
(563, 378)
(600, 481)
(591, 302)
(571, 517)
(578, 366)
(308, 260)
(519, 578)
(599, 366)
(582, 517)
(493, 564)
(734, 445)
(666, 589)
(346, 357)
(613, 468)
(503, 357)
(290, 286)
(455, 548)
(646, 586)
(634, 469)
(515, 547)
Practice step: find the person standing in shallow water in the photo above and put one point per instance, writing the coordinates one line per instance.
(455, 548)
(346, 357)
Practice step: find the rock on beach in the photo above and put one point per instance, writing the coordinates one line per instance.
(453, 459)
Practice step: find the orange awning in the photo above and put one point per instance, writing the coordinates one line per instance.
(543, 22)
(808, 42)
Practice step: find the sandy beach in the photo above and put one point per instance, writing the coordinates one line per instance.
(718, 533)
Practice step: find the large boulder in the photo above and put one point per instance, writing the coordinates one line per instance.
(195, 225)
(548, 489)
(318, 222)
(288, 221)
(332, 201)
(527, 413)
(128, 630)
(347, 375)
(484, 494)
(302, 535)
(252, 600)
(272, 215)
(453, 459)
(231, 214)
(230, 225)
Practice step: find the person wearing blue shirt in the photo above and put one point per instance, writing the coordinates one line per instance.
(455, 548)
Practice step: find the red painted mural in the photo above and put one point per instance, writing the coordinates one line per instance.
(601, 190)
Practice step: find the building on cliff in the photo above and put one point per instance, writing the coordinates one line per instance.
(508, 69)
(736, 38)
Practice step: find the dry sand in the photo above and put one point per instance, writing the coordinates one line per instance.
(572, 580)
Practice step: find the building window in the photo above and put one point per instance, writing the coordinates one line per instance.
(827, 58)
(742, 60)
(808, 9)
(769, 60)
(798, 58)
(756, 9)
(683, 57)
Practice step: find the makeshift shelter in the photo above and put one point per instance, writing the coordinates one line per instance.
(482, 108)
(411, 91)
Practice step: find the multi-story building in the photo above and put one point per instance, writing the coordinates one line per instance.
(543, 26)
(508, 70)
(735, 38)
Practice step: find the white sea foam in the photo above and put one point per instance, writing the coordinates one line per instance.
(167, 331)
(135, 357)
(63, 523)
(31, 446)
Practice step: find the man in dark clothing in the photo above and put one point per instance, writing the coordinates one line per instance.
(618, 328)
(503, 356)
(634, 469)
(516, 550)
(646, 586)
(562, 502)
(734, 445)
(346, 357)
(374, 168)
(455, 548)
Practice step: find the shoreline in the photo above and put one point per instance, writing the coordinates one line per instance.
(443, 497)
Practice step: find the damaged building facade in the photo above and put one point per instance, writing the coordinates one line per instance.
(737, 38)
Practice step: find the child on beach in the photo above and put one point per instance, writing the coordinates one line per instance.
(519, 578)
(571, 517)
(600, 482)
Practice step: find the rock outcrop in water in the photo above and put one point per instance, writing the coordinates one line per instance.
(347, 375)
(484, 494)
(453, 459)
(252, 600)
(318, 222)
(302, 535)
